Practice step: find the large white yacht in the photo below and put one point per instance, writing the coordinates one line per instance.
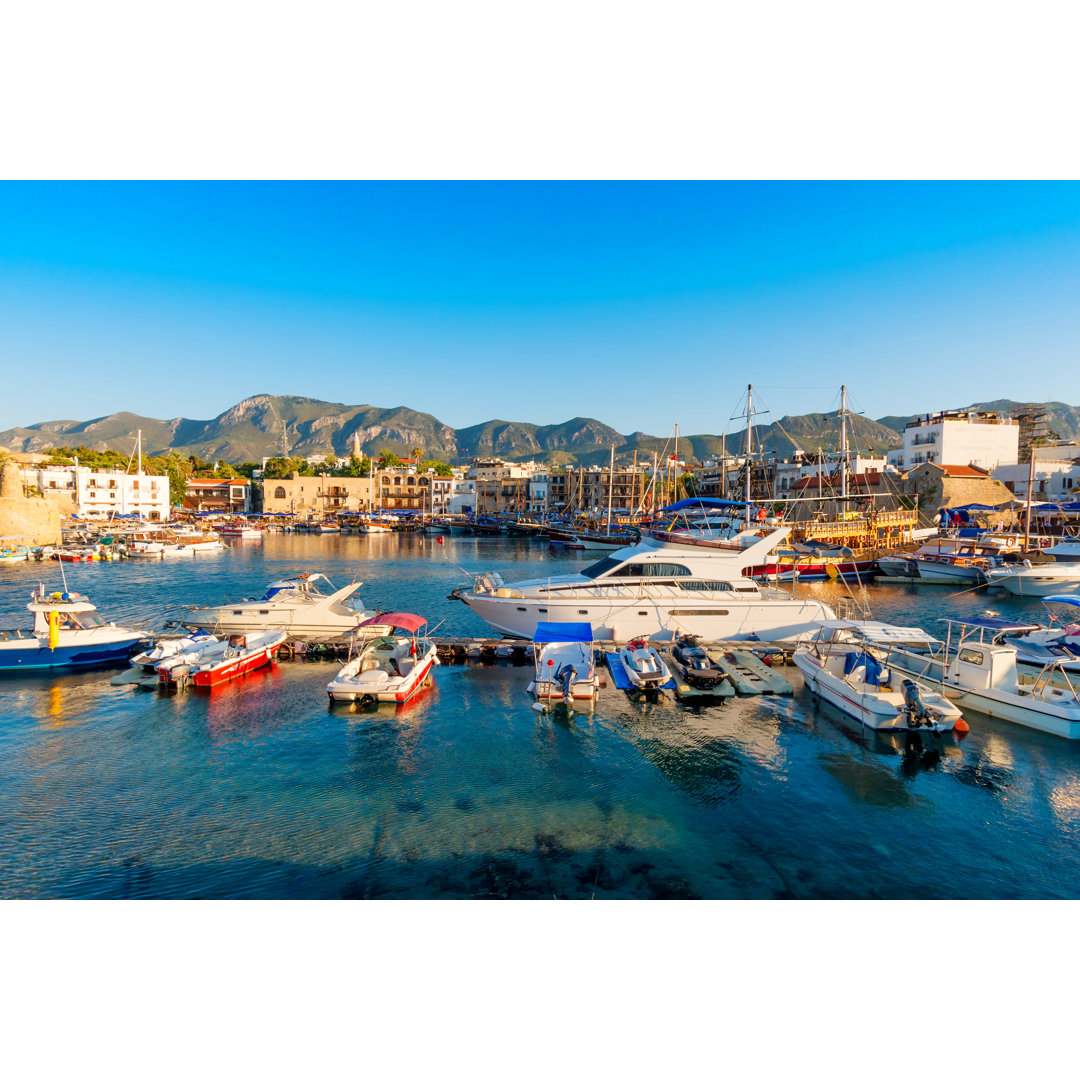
(656, 589)
(296, 605)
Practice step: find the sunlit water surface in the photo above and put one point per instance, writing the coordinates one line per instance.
(260, 789)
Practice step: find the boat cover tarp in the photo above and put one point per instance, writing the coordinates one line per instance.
(872, 677)
(1074, 600)
(402, 620)
(563, 631)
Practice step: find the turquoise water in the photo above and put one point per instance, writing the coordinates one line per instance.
(260, 789)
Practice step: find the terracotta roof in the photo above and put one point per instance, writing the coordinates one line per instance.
(963, 470)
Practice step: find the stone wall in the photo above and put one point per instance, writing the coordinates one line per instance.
(25, 519)
(936, 490)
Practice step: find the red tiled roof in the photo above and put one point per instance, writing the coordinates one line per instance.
(963, 470)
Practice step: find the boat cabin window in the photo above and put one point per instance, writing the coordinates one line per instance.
(708, 586)
(971, 656)
(600, 568)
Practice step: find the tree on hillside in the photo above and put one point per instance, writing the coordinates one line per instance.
(388, 459)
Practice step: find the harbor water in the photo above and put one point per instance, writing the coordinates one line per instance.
(262, 789)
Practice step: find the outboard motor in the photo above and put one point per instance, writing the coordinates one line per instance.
(916, 707)
(565, 674)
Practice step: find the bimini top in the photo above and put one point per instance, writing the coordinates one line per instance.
(299, 582)
(1074, 600)
(701, 503)
(563, 631)
(401, 620)
(994, 624)
(880, 633)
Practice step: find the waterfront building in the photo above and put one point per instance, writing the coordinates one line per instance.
(586, 490)
(218, 496)
(397, 489)
(983, 439)
(1056, 471)
(100, 493)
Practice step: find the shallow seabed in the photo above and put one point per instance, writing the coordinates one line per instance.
(261, 789)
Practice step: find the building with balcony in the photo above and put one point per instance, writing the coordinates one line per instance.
(100, 493)
(218, 496)
(983, 439)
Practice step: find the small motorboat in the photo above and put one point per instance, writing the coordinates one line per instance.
(394, 667)
(644, 666)
(167, 650)
(67, 632)
(986, 677)
(849, 665)
(222, 661)
(564, 665)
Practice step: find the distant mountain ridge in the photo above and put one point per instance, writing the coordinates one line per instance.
(261, 425)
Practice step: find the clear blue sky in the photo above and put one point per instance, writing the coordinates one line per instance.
(638, 304)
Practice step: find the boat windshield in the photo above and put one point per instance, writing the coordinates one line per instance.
(599, 569)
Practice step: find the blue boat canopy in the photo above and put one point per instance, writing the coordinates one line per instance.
(563, 631)
(703, 503)
(1074, 600)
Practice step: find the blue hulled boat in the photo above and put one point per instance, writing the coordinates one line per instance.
(67, 632)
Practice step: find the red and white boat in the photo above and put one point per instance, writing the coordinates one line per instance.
(239, 531)
(391, 668)
(229, 659)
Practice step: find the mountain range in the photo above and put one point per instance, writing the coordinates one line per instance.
(265, 425)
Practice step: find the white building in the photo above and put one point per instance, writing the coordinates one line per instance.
(462, 495)
(1056, 474)
(102, 493)
(983, 439)
(538, 491)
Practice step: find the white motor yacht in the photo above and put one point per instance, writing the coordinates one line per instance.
(296, 605)
(1031, 579)
(655, 589)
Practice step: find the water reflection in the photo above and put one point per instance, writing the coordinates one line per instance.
(260, 789)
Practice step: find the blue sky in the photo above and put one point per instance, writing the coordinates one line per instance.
(640, 304)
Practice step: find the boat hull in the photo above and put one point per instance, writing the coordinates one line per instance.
(33, 655)
(623, 619)
(228, 670)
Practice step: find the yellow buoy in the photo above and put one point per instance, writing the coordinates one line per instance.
(54, 629)
(833, 573)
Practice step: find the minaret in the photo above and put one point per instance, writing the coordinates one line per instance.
(356, 444)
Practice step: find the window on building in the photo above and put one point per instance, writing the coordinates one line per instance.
(279, 493)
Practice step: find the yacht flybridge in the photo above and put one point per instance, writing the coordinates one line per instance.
(657, 590)
(296, 605)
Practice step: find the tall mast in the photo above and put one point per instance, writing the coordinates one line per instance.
(749, 444)
(843, 446)
(140, 451)
(610, 488)
(675, 468)
(1027, 513)
(723, 465)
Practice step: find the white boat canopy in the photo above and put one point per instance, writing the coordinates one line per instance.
(880, 633)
